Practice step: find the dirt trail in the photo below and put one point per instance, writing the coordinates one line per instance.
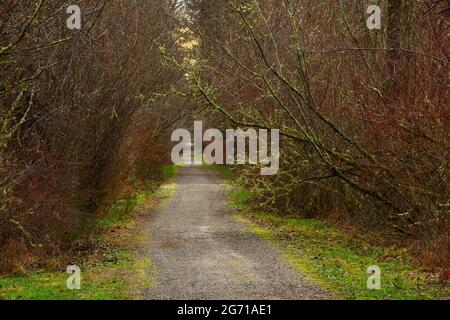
(200, 252)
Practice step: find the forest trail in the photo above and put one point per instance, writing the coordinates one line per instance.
(200, 252)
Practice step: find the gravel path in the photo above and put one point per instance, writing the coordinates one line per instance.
(200, 252)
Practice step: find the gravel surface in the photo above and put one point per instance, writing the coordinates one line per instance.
(200, 252)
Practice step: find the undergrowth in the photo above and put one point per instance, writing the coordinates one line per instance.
(336, 259)
(111, 271)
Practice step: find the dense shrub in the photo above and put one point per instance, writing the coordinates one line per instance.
(79, 111)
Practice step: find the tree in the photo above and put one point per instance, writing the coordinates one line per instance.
(394, 40)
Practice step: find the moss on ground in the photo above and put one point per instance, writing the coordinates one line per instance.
(105, 280)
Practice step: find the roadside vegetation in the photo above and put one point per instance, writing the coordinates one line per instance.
(81, 111)
(112, 268)
(335, 258)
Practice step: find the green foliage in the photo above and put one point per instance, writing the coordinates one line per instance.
(143, 171)
(170, 171)
(123, 209)
(226, 172)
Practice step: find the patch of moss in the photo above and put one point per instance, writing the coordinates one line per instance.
(170, 171)
(225, 172)
(102, 281)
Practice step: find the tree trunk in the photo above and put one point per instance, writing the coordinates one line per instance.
(394, 36)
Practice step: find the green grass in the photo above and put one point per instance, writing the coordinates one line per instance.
(111, 276)
(225, 172)
(123, 209)
(333, 258)
(100, 281)
(170, 171)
